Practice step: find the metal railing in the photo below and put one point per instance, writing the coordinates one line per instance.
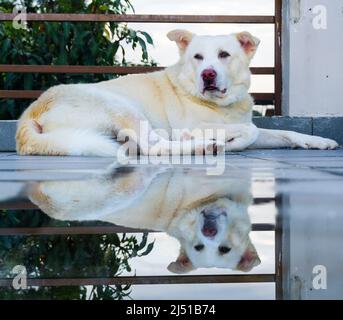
(260, 98)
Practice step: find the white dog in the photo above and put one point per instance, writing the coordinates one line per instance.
(206, 90)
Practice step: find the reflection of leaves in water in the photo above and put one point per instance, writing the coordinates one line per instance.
(63, 256)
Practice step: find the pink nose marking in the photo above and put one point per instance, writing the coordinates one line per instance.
(209, 74)
(209, 232)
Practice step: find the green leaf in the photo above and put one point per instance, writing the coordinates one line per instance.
(103, 8)
(142, 44)
(147, 37)
(148, 249)
(143, 241)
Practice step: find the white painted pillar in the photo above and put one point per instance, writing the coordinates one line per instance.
(313, 58)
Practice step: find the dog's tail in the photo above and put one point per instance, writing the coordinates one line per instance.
(32, 140)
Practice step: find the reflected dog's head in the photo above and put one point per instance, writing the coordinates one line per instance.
(215, 68)
(215, 234)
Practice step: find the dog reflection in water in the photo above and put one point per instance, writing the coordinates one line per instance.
(206, 214)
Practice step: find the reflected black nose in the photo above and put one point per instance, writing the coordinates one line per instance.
(209, 228)
(209, 75)
(209, 231)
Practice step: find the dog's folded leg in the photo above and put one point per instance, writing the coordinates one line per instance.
(87, 143)
(197, 147)
(67, 141)
(240, 137)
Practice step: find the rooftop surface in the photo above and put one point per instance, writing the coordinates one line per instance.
(290, 199)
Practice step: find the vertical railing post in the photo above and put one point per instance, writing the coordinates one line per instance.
(279, 291)
(278, 58)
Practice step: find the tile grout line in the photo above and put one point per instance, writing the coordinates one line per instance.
(294, 165)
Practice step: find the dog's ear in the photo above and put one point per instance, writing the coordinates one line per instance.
(182, 264)
(249, 259)
(181, 37)
(248, 42)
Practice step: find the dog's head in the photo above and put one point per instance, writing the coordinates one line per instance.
(214, 235)
(212, 66)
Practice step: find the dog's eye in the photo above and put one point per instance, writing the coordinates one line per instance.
(224, 54)
(224, 250)
(198, 57)
(199, 247)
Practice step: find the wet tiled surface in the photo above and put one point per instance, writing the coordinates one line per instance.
(268, 226)
(329, 127)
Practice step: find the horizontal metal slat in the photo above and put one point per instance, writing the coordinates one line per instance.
(68, 230)
(145, 18)
(147, 280)
(28, 205)
(100, 69)
(33, 94)
(95, 230)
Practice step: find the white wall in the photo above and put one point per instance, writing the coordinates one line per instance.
(314, 238)
(313, 59)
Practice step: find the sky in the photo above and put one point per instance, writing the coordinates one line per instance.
(165, 52)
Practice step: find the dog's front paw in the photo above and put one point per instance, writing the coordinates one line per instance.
(314, 142)
(207, 147)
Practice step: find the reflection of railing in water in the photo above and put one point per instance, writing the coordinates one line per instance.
(149, 280)
(146, 280)
(96, 230)
(27, 205)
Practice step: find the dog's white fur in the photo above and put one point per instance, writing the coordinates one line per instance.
(83, 119)
(162, 200)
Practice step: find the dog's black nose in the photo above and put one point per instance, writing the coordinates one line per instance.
(209, 75)
(209, 231)
(209, 228)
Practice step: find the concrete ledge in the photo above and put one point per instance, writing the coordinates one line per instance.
(7, 134)
(325, 127)
(301, 125)
(329, 127)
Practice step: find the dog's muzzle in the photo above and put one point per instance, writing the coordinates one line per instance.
(210, 224)
(209, 78)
